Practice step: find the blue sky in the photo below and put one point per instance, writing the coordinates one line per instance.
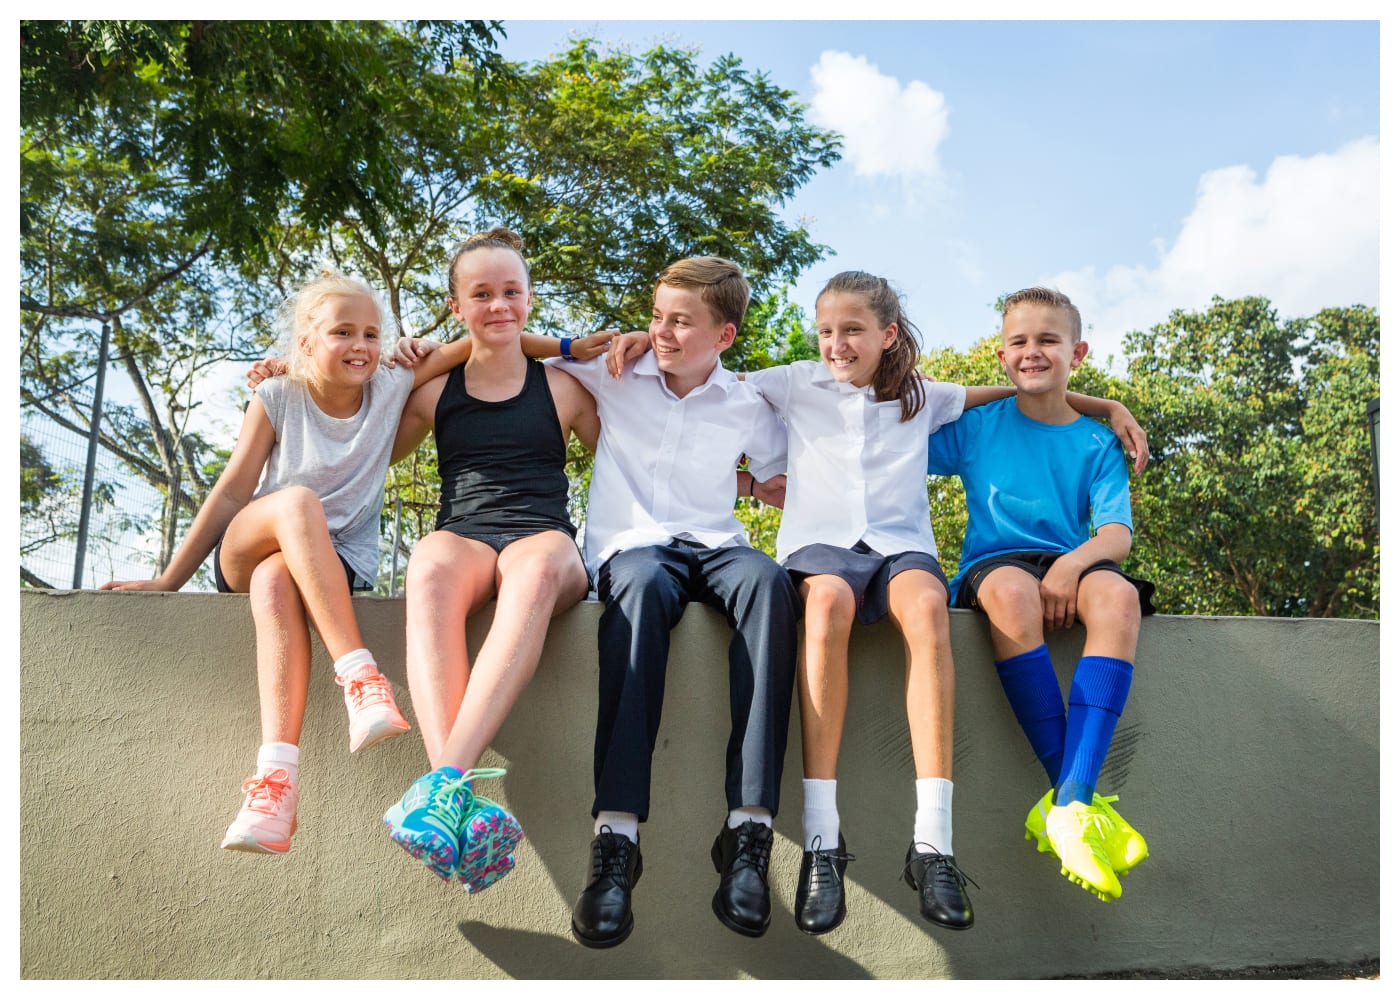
(1139, 166)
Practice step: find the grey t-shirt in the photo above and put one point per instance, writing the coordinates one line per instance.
(342, 461)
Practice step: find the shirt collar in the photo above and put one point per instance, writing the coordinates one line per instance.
(721, 376)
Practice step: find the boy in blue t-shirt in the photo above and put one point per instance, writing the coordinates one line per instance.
(1048, 522)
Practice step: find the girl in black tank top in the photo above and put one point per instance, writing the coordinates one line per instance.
(501, 463)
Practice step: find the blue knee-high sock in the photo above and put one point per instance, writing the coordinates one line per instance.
(1034, 693)
(1096, 699)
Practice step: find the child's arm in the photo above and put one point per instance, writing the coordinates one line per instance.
(577, 409)
(230, 495)
(1059, 589)
(571, 348)
(1120, 421)
(416, 419)
(773, 492)
(980, 395)
(625, 347)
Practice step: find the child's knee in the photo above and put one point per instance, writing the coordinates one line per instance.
(829, 607)
(1109, 601)
(302, 503)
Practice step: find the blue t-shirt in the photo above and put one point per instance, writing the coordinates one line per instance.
(1030, 486)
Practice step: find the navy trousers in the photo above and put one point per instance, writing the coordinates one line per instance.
(644, 593)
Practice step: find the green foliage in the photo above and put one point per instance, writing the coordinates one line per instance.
(1258, 500)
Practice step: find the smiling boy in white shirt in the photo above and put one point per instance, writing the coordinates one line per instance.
(661, 533)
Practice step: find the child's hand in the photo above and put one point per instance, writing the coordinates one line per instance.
(265, 369)
(773, 492)
(589, 347)
(155, 584)
(410, 349)
(1059, 592)
(1132, 436)
(625, 347)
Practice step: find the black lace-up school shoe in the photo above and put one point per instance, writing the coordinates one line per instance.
(941, 886)
(821, 888)
(741, 858)
(603, 912)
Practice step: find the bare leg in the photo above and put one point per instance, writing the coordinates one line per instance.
(919, 609)
(293, 523)
(1108, 606)
(537, 577)
(1011, 598)
(284, 650)
(822, 683)
(448, 578)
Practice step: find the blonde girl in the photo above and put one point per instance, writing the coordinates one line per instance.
(293, 522)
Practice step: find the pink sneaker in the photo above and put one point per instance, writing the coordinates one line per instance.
(268, 818)
(369, 701)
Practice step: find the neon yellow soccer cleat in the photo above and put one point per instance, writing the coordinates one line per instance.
(1126, 847)
(1076, 833)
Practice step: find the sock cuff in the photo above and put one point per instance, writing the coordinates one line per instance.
(1101, 682)
(819, 793)
(1029, 656)
(353, 659)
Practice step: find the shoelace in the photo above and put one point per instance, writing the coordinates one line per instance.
(823, 871)
(442, 801)
(753, 849)
(364, 691)
(264, 791)
(943, 865)
(1102, 827)
(610, 857)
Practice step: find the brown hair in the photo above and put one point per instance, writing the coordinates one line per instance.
(1039, 295)
(896, 376)
(298, 311)
(721, 285)
(499, 237)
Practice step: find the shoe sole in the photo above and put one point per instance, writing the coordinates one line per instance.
(1087, 886)
(429, 849)
(250, 846)
(379, 734)
(734, 926)
(611, 942)
(495, 834)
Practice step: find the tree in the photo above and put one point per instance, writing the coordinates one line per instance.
(1258, 500)
(156, 159)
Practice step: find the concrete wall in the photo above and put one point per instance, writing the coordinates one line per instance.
(1248, 756)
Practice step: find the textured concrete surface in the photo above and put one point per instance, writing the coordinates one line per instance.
(1248, 751)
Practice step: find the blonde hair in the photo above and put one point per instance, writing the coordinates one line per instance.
(499, 237)
(298, 312)
(896, 377)
(721, 285)
(1041, 296)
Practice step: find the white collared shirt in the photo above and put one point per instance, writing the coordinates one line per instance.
(856, 472)
(665, 463)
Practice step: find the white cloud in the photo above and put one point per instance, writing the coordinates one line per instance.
(889, 130)
(1306, 237)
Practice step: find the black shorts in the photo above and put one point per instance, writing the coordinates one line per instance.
(866, 571)
(351, 577)
(1037, 564)
(498, 540)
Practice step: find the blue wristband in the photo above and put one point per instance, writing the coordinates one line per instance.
(564, 348)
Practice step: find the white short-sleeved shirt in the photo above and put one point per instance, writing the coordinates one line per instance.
(665, 463)
(856, 472)
(342, 461)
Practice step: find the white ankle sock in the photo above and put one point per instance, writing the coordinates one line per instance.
(285, 755)
(353, 659)
(933, 818)
(745, 814)
(819, 815)
(617, 822)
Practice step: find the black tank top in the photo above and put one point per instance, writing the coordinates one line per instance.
(501, 463)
